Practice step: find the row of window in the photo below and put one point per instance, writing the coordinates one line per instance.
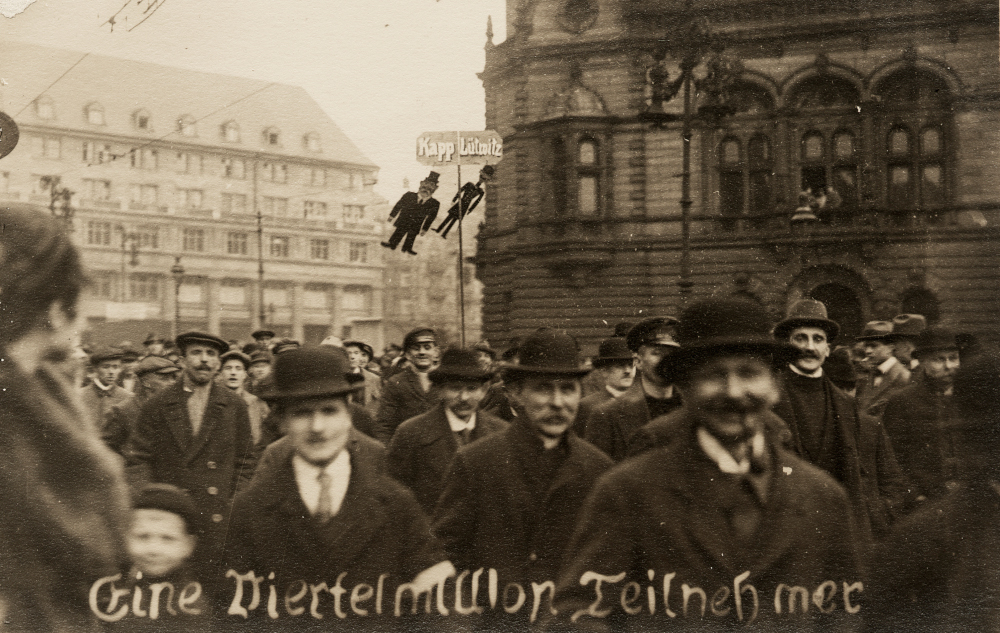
(186, 124)
(194, 240)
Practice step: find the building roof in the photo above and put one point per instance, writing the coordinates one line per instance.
(123, 88)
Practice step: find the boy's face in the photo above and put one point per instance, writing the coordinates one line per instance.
(234, 373)
(158, 541)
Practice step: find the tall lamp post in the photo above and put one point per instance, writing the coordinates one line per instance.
(177, 270)
(695, 44)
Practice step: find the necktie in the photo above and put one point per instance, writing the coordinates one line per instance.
(324, 510)
(878, 377)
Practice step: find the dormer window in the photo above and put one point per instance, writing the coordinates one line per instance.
(186, 126)
(312, 142)
(95, 114)
(231, 132)
(142, 120)
(45, 108)
(272, 136)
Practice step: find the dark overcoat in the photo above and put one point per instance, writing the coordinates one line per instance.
(666, 511)
(208, 466)
(99, 404)
(423, 447)
(611, 425)
(484, 513)
(380, 529)
(402, 398)
(872, 399)
(411, 216)
(587, 406)
(920, 423)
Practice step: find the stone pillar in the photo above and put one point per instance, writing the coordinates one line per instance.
(336, 300)
(298, 331)
(212, 302)
(254, 289)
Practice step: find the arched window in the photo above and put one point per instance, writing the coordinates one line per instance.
(915, 123)
(142, 120)
(824, 91)
(272, 136)
(231, 132)
(186, 126)
(557, 161)
(95, 114)
(45, 108)
(731, 166)
(588, 178)
(312, 142)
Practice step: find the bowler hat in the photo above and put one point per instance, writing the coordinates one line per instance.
(261, 356)
(238, 355)
(155, 365)
(877, 331)
(612, 350)
(459, 364)
(259, 334)
(807, 313)
(547, 352)
(421, 332)
(935, 339)
(311, 372)
(364, 347)
(200, 338)
(102, 354)
(721, 326)
(908, 325)
(654, 331)
(169, 498)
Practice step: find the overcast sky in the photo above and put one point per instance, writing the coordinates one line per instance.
(384, 70)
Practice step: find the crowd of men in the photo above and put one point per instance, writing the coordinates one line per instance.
(704, 471)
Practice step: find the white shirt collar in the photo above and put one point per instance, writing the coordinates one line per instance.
(100, 385)
(307, 480)
(615, 392)
(718, 454)
(816, 374)
(887, 365)
(457, 424)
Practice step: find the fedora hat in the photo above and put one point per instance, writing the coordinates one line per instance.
(547, 352)
(908, 325)
(936, 339)
(201, 338)
(612, 350)
(807, 313)
(459, 364)
(720, 326)
(653, 331)
(877, 331)
(311, 372)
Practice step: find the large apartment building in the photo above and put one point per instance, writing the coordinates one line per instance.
(166, 163)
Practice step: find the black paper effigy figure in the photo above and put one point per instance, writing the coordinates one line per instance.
(470, 195)
(414, 214)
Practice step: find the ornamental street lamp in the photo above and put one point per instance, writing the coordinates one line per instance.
(697, 47)
(177, 270)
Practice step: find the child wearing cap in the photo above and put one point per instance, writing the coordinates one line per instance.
(160, 593)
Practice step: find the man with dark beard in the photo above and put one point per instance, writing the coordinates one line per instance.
(510, 499)
(722, 526)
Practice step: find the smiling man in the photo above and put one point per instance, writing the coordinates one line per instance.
(511, 499)
(324, 509)
(407, 393)
(195, 435)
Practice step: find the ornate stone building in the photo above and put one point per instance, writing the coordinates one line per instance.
(888, 106)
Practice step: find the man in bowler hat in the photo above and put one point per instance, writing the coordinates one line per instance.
(826, 427)
(511, 498)
(325, 509)
(196, 435)
(722, 513)
(422, 447)
(414, 214)
(614, 365)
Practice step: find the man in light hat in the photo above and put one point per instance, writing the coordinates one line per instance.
(921, 418)
(414, 214)
(423, 446)
(324, 508)
(196, 435)
(615, 367)
(153, 374)
(407, 393)
(887, 374)
(906, 329)
(826, 427)
(103, 393)
(233, 374)
(722, 514)
(610, 427)
(511, 498)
